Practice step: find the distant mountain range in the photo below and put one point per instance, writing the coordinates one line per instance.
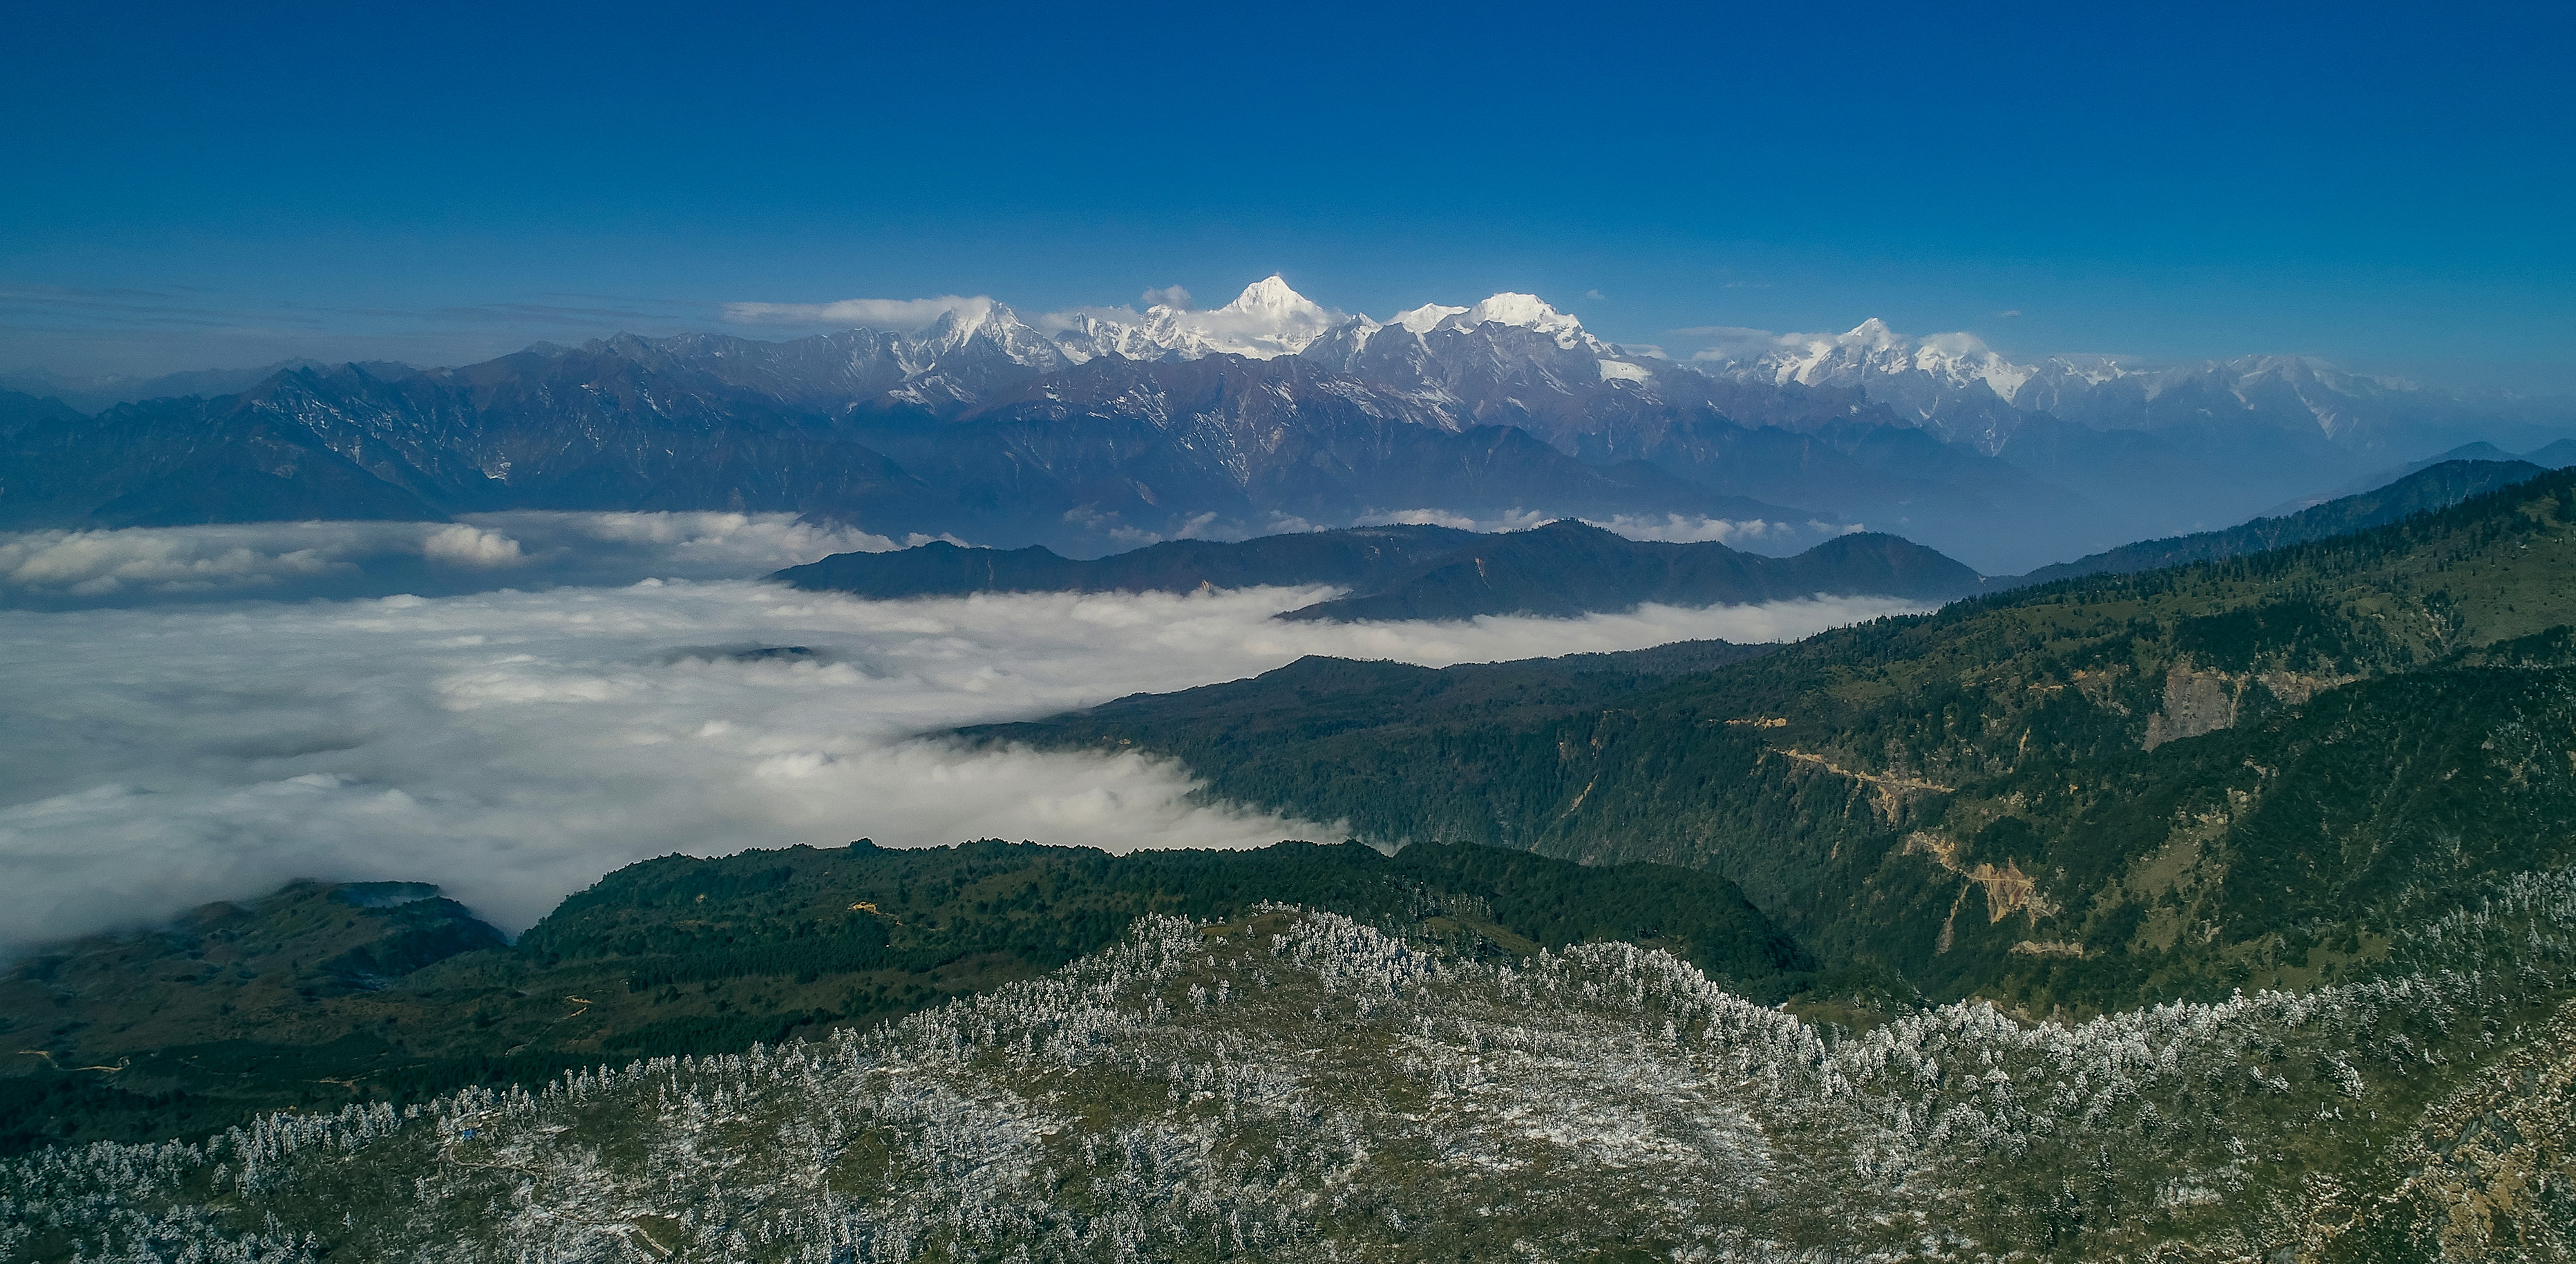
(1360, 558)
(1569, 568)
(1564, 568)
(2554, 456)
(102, 391)
(1091, 431)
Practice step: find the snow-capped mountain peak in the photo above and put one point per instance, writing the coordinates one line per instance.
(1872, 333)
(1528, 311)
(987, 323)
(1269, 319)
(1270, 297)
(1424, 319)
(1870, 349)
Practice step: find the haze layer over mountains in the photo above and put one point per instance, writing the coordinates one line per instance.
(1100, 429)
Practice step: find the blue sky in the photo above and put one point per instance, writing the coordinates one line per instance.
(213, 185)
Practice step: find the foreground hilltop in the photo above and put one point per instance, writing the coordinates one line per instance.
(1290, 1085)
(321, 994)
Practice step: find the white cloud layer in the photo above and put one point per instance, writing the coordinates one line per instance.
(513, 746)
(59, 569)
(904, 314)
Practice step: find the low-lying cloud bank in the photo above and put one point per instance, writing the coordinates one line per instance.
(140, 566)
(513, 746)
(151, 565)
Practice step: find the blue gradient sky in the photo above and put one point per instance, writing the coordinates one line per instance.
(229, 185)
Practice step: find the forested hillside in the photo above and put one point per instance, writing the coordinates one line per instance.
(2438, 486)
(1298, 1086)
(323, 994)
(2092, 793)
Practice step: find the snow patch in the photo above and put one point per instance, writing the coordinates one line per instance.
(1526, 311)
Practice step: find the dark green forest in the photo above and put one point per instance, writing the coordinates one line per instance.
(2088, 794)
(324, 994)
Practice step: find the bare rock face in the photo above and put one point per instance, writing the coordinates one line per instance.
(2196, 702)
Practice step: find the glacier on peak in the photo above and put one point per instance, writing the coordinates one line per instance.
(1267, 320)
(1528, 311)
(1270, 319)
(1270, 295)
(1870, 349)
(995, 324)
(1424, 319)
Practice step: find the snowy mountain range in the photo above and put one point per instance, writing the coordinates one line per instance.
(1963, 389)
(1102, 428)
(1952, 384)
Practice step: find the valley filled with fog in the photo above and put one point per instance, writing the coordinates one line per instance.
(177, 743)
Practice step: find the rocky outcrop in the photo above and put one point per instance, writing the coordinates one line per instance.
(2198, 702)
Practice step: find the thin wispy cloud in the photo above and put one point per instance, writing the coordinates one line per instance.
(870, 313)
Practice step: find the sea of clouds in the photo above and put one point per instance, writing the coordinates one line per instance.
(512, 745)
(140, 566)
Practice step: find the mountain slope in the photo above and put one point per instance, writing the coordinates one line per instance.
(2438, 486)
(323, 994)
(1297, 1086)
(538, 430)
(19, 411)
(2092, 765)
(1397, 751)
